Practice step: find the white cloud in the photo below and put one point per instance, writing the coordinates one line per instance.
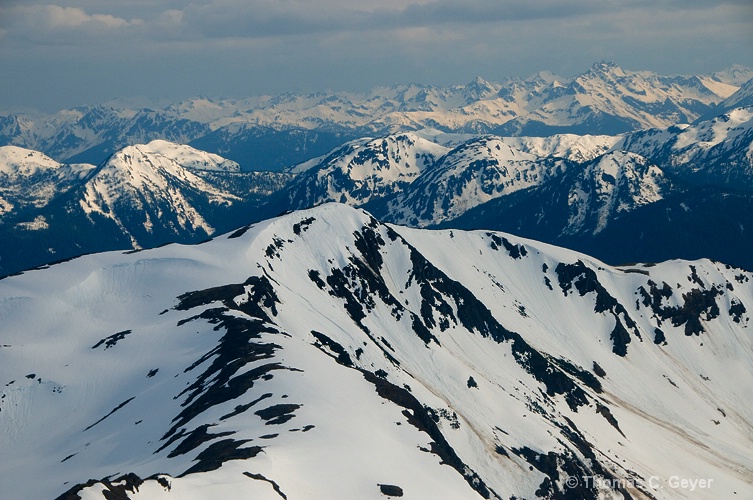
(55, 23)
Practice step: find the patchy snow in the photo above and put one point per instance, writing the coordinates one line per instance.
(613, 183)
(156, 174)
(30, 178)
(107, 358)
(712, 132)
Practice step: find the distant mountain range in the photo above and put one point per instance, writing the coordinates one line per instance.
(649, 195)
(358, 320)
(323, 354)
(274, 132)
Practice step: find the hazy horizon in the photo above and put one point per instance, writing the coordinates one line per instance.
(79, 52)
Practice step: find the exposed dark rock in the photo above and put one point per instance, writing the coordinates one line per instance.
(585, 281)
(242, 408)
(273, 249)
(191, 440)
(261, 296)
(607, 414)
(112, 339)
(131, 482)
(240, 346)
(736, 310)
(515, 251)
(315, 276)
(302, 226)
(659, 337)
(121, 405)
(220, 452)
(277, 414)
(240, 232)
(164, 483)
(697, 302)
(620, 338)
(342, 355)
(695, 278)
(390, 490)
(583, 375)
(420, 418)
(275, 486)
(472, 314)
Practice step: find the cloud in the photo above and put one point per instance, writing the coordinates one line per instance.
(244, 47)
(206, 20)
(54, 23)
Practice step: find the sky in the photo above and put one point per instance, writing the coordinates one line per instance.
(65, 53)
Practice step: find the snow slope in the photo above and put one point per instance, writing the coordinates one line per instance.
(363, 169)
(323, 354)
(159, 175)
(30, 178)
(717, 152)
(473, 173)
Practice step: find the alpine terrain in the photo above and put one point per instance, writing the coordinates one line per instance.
(274, 132)
(323, 354)
(534, 288)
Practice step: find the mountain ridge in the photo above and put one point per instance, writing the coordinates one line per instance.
(604, 99)
(688, 182)
(517, 364)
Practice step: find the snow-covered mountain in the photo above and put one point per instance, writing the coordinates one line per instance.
(411, 180)
(90, 134)
(609, 100)
(652, 195)
(31, 179)
(713, 152)
(362, 170)
(142, 196)
(323, 354)
(471, 174)
(609, 185)
(742, 98)
(273, 132)
(690, 183)
(157, 181)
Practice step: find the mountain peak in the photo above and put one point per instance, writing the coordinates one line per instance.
(605, 67)
(479, 89)
(296, 358)
(737, 74)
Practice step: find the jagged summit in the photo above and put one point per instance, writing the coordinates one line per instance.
(605, 67)
(479, 89)
(743, 97)
(605, 99)
(540, 187)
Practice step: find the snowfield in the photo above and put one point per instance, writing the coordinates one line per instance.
(323, 355)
